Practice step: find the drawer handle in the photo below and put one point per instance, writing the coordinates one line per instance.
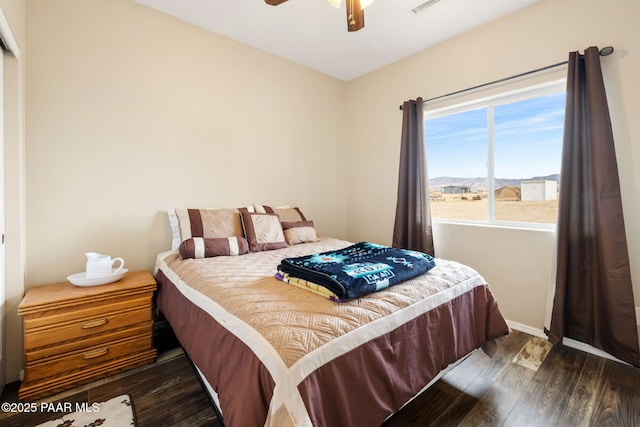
(94, 323)
(95, 353)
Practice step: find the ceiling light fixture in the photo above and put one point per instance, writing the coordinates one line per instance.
(355, 14)
(363, 3)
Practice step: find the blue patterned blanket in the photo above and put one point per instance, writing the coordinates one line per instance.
(358, 269)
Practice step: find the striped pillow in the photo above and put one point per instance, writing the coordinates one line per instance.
(200, 247)
(285, 213)
(207, 223)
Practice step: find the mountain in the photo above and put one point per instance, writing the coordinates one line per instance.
(481, 183)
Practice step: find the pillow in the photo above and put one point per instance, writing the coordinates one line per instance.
(201, 247)
(299, 232)
(285, 213)
(175, 229)
(180, 223)
(263, 231)
(208, 223)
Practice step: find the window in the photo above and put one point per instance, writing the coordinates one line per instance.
(497, 160)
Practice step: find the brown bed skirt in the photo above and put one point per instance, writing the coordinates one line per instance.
(360, 387)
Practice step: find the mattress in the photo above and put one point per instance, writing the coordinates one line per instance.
(277, 355)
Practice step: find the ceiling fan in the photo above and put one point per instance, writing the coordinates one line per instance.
(355, 14)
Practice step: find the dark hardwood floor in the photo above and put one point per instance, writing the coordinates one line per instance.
(527, 383)
(165, 393)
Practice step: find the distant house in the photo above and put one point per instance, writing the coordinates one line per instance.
(538, 190)
(456, 189)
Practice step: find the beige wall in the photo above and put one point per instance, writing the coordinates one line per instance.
(14, 174)
(130, 112)
(517, 263)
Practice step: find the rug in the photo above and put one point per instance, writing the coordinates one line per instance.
(116, 412)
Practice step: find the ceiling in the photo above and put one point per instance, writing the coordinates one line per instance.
(314, 34)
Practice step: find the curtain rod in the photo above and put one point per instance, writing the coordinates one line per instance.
(605, 51)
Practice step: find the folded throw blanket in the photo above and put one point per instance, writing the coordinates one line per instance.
(307, 286)
(358, 269)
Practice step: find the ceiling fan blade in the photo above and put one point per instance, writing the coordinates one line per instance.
(355, 16)
(274, 2)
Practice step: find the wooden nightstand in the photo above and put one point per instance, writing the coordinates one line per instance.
(76, 334)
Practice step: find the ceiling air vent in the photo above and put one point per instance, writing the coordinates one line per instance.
(424, 6)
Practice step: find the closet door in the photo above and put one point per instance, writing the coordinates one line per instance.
(2, 257)
(9, 48)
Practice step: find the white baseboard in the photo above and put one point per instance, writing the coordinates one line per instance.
(565, 341)
(527, 329)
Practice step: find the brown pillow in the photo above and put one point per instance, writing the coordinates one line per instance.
(299, 232)
(201, 247)
(226, 224)
(286, 214)
(263, 231)
(208, 223)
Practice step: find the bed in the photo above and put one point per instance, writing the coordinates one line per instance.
(276, 355)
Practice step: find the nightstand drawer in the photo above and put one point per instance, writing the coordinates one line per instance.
(88, 310)
(84, 327)
(94, 340)
(87, 357)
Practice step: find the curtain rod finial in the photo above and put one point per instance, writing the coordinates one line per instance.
(606, 51)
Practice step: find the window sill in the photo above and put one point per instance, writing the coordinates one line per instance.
(499, 225)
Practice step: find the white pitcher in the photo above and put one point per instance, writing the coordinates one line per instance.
(102, 265)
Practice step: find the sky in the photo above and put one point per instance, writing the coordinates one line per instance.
(527, 140)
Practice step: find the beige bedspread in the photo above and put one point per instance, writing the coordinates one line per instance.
(293, 340)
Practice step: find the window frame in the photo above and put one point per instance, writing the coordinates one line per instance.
(506, 97)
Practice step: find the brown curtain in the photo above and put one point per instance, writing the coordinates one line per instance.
(594, 297)
(412, 228)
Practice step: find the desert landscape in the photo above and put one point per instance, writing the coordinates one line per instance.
(507, 207)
